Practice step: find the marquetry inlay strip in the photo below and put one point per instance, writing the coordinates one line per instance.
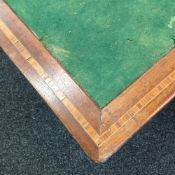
(51, 84)
(130, 115)
(128, 119)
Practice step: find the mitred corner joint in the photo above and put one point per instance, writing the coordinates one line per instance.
(99, 132)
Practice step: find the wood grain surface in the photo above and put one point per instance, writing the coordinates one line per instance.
(99, 132)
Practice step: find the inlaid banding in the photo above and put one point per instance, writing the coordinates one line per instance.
(117, 127)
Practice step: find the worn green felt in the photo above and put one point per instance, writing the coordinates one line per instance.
(105, 45)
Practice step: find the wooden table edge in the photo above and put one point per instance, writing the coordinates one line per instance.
(94, 129)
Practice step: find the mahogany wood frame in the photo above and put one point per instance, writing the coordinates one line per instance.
(99, 132)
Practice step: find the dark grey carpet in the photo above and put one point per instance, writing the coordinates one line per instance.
(34, 142)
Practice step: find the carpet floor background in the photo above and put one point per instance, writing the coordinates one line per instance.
(34, 142)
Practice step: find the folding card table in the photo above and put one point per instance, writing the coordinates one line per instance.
(105, 68)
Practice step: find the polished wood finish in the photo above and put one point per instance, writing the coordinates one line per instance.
(138, 89)
(99, 132)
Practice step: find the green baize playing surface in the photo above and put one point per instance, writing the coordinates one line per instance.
(105, 45)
